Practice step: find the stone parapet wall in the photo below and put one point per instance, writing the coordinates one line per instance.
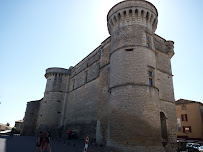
(89, 68)
(166, 47)
(57, 70)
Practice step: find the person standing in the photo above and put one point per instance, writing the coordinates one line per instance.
(46, 142)
(69, 133)
(39, 142)
(12, 131)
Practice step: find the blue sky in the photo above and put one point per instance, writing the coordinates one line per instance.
(38, 34)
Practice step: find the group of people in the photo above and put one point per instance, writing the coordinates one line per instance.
(71, 134)
(43, 142)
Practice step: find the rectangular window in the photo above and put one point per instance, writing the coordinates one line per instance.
(148, 41)
(183, 107)
(73, 84)
(148, 45)
(184, 117)
(187, 129)
(86, 73)
(150, 81)
(178, 125)
(150, 75)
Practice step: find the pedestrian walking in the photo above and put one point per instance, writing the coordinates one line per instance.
(39, 142)
(46, 142)
(12, 131)
(69, 132)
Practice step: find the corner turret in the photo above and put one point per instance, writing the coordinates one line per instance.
(55, 79)
(50, 112)
(132, 12)
(134, 94)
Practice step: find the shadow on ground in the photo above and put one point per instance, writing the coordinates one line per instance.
(27, 144)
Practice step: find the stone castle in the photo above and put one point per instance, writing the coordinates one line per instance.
(121, 94)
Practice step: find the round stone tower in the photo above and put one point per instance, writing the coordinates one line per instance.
(134, 110)
(50, 112)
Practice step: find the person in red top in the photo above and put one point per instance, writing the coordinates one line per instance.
(69, 133)
(39, 142)
(46, 142)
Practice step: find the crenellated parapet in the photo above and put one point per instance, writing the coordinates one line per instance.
(170, 48)
(164, 46)
(133, 12)
(57, 72)
(56, 79)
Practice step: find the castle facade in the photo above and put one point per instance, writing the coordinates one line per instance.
(121, 94)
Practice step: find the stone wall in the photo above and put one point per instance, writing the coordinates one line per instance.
(103, 102)
(81, 110)
(164, 51)
(85, 94)
(30, 119)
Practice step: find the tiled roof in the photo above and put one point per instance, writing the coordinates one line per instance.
(5, 125)
(19, 121)
(184, 101)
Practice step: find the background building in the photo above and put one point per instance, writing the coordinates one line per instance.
(4, 127)
(121, 94)
(190, 119)
(19, 126)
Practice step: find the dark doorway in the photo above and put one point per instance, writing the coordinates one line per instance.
(163, 128)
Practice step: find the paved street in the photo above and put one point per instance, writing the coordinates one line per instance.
(27, 144)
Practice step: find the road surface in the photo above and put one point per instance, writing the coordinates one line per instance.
(27, 144)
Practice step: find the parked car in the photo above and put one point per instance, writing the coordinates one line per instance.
(200, 148)
(196, 146)
(193, 147)
(189, 145)
(72, 135)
